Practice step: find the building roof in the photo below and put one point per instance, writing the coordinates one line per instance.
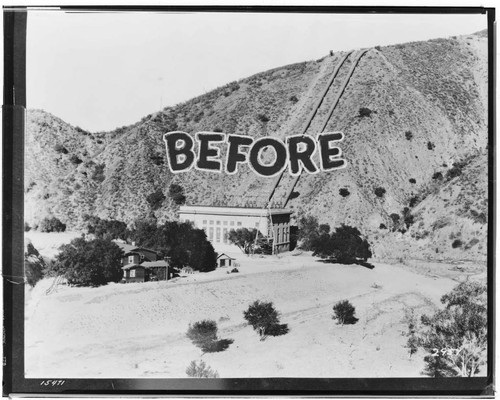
(226, 256)
(232, 211)
(129, 248)
(147, 264)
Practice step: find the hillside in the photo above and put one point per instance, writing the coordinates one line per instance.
(427, 109)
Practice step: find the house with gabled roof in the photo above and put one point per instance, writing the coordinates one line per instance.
(142, 265)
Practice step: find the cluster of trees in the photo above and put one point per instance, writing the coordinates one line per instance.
(98, 261)
(344, 245)
(52, 224)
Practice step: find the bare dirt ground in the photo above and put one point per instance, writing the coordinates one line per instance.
(138, 330)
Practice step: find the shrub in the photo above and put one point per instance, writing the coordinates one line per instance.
(294, 99)
(34, 265)
(155, 199)
(456, 243)
(343, 312)
(59, 148)
(413, 201)
(308, 228)
(382, 226)
(235, 271)
(456, 337)
(200, 370)
(98, 173)
(412, 180)
(437, 176)
(202, 332)
(408, 135)
(379, 191)
(454, 171)
(51, 225)
(176, 193)
(364, 112)
(430, 145)
(89, 263)
(218, 130)
(74, 159)
(264, 319)
(413, 341)
(263, 118)
(378, 48)
(27, 227)
(344, 192)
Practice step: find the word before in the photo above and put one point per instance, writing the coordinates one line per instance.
(296, 152)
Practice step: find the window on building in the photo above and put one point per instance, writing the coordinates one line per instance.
(231, 223)
(239, 223)
(132, 273)
(224, 222)
(217, 235)
(257, 225)
(218, 222)
(211, 233)
(130, 259)
(211, 222)
(224, 235)
(204, 222)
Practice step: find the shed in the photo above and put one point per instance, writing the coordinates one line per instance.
(223, 260)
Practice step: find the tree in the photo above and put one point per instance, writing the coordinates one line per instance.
(89, 263)
(344, 312)
(345, 245)
(344, 192)
(244, 238)
(51, 225)
(264, 319)
(308, 231)
(176, 193)
(456, 337)
(200, 370)
(106, 229)
(184, 244)
(379, 192)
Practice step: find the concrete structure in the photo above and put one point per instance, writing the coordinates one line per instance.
(218, 221)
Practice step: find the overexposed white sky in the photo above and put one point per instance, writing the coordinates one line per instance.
(104, 70)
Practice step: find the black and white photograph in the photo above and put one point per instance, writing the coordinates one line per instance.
(257, 193)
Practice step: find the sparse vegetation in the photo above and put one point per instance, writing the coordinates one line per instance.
(200, 370)
(343, 312)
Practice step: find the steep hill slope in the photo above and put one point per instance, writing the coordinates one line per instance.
(425, 109)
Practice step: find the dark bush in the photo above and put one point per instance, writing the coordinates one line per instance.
(203, 334)
(294, 99)
(456, 243)
(98, 173)
(344, 192)
(408, 135)
(155, 199)
(324, 228)
(27, 227)
(234, 270)
(74, 159)
(379, 191)
(412, 180)
(263, 118)
(264, 318)
(176, 193)
(51, 225)
(59, 148)
(437, 176)
(413, 201)
(34, 265)
(218, 130)
(364, 112)
(430, 145)
(382, 226)
(455, 170)
(89, 263)
(308, 231)
(344, 312)
(345, 246)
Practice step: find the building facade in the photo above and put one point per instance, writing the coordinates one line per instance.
(217, 222)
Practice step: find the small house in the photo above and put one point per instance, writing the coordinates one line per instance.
(142, 265)
(223, 260)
